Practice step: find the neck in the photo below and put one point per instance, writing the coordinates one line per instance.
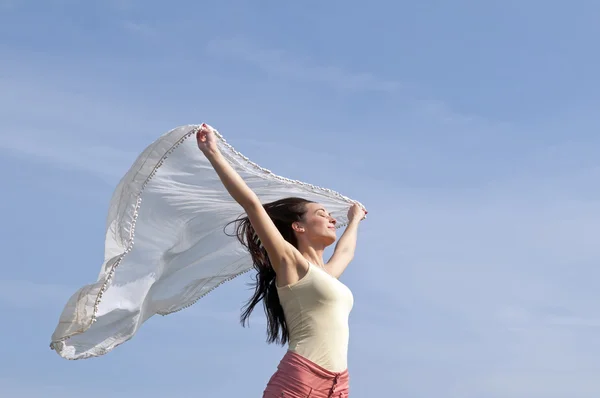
(312, 253)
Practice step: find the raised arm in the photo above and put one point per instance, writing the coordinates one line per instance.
(279, 250)
(344, 249)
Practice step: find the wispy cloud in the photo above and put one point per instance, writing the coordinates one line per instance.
(23, 294)
(283, 64)
(484, 285)
(8, 4)
(477, 267)
(53, 122)
(108, 163)
(27, 389)
(140, 29)
(122, 5)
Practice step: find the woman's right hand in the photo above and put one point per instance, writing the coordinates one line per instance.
(207, 141)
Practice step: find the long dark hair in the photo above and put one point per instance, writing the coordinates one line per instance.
(284, 213)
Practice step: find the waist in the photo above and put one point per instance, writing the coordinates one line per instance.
(321, 340)
(328, 354)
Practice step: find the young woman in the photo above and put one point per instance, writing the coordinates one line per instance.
(306, 305)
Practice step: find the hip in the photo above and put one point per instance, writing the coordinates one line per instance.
(298, 377)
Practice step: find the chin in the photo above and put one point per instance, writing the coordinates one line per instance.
(330, 239)
(329, 242)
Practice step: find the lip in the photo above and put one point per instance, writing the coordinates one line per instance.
(331, 227)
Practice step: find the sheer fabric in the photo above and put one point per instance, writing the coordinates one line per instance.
(165, 245)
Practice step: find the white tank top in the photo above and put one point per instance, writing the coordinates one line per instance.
(316, 310)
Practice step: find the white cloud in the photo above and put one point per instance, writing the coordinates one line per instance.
(35, 389)
(8, 4)
(138, 28)
(53, 122)
(108, 163)
(283, 64)
(23, 294)
(488, 290)
(122, 5)
(478, 289)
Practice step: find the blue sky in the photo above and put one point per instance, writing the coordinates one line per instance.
(469, 129)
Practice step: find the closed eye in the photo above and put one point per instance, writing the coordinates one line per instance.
(323, 213)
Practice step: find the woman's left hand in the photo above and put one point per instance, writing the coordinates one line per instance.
(357, 212)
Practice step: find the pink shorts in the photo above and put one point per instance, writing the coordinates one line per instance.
(297, 377)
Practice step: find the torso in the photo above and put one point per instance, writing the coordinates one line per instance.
(317, 308)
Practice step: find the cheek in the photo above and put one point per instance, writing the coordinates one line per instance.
(324, 222)
(319, 223)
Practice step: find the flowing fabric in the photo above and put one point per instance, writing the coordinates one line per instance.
(165, 244)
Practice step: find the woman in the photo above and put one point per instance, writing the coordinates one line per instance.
(306, 305)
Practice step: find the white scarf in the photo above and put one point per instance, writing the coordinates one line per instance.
(165, 246)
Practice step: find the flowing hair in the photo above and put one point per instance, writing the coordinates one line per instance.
(284, 213)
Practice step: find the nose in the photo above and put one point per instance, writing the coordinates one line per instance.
(332, 220)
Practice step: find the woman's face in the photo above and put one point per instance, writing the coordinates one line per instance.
(318, 225)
